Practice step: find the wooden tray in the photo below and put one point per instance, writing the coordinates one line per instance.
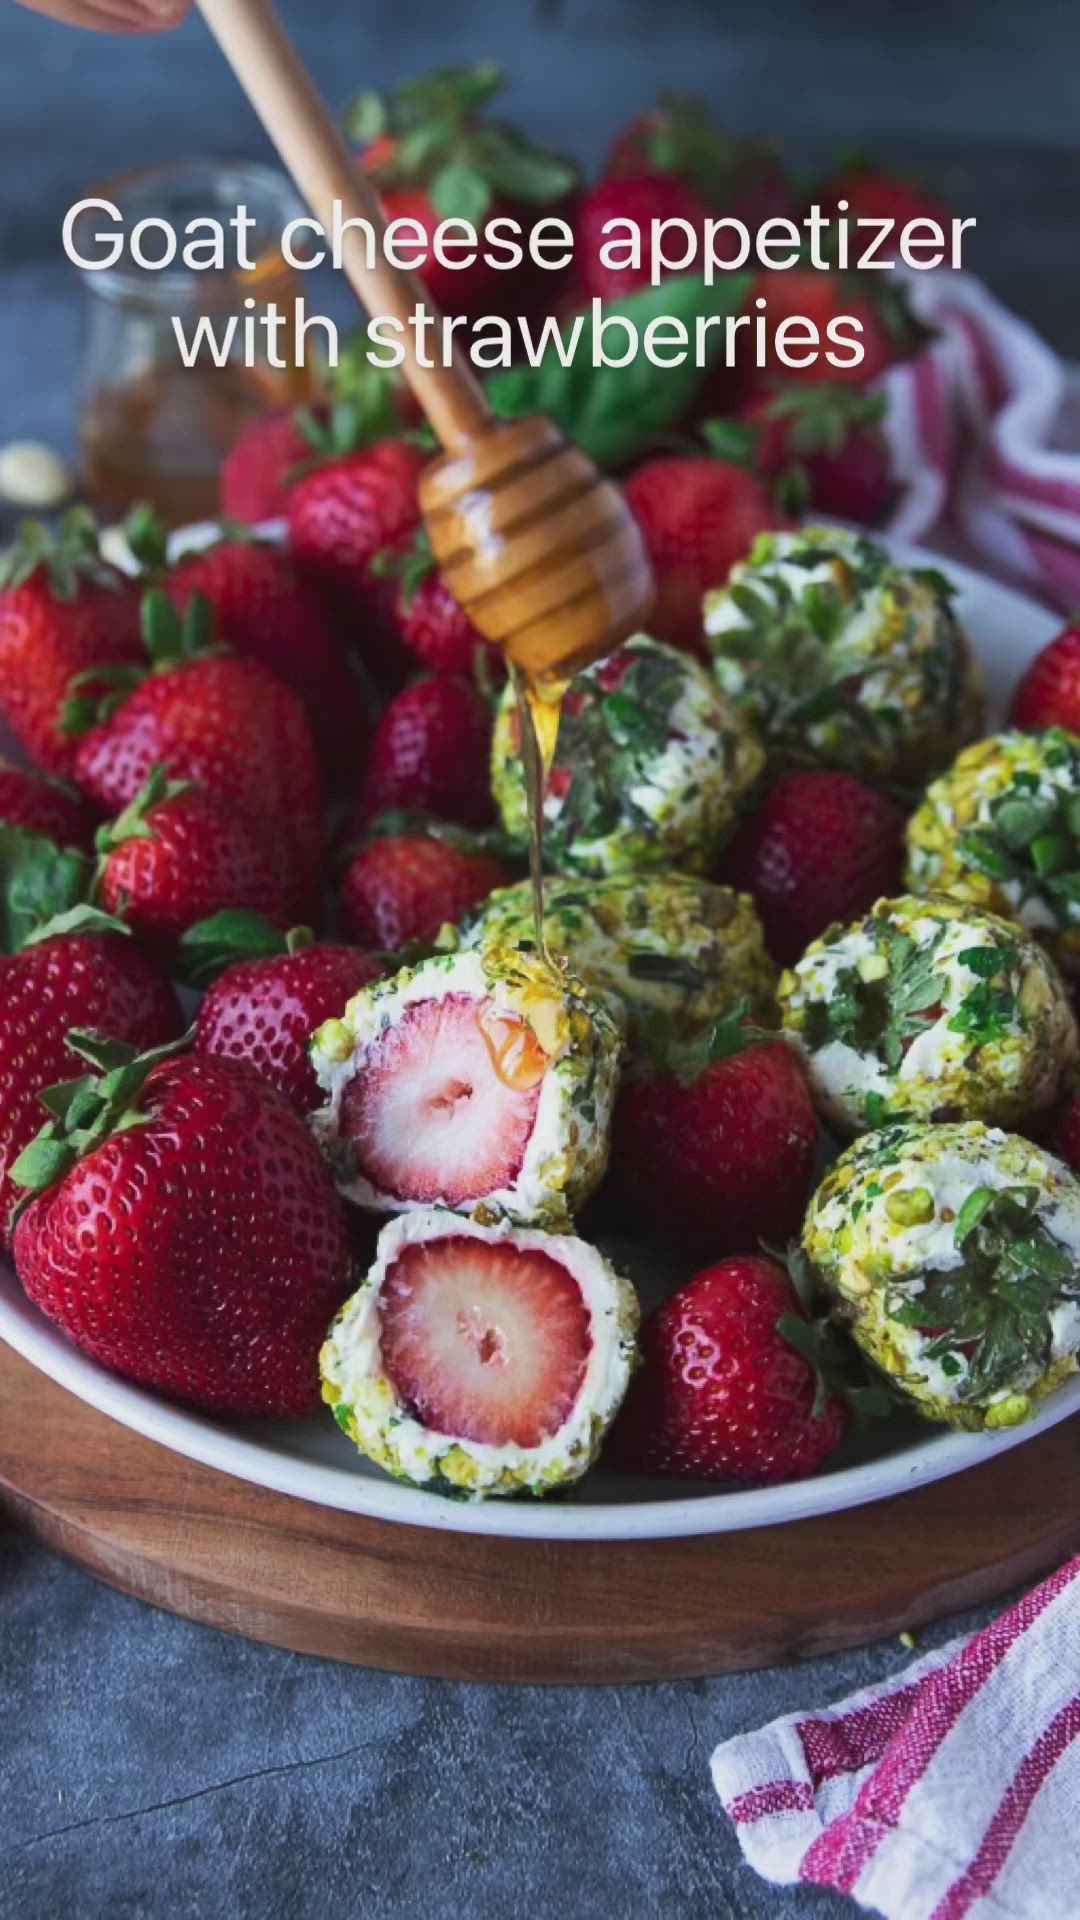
(416, 1601)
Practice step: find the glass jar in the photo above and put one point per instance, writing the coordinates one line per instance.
(149, 427)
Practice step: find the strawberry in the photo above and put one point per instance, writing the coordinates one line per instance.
(183, 1231)
(265, 1010)
(433, 154)
(820, 449)
(640, 198)
(177, 855)
(403, 887)
(874, 193)
(434, 626)
(430, 1117)
(43, 806)
(264, 609)
(254, 477)
(722, 1393)
(99, 980)
(819, 847)
(737, 178)
(698, 517)
(449, 1306)
(888, 331)
(1064, 1139)
(63, 613)
(716, 1145)
(346, 510)
(226, 724)
(1049, 693)
(430, 751)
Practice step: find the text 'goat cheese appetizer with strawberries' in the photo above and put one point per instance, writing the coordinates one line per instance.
(926, 1010)
(481, 1081)
(480, 1360)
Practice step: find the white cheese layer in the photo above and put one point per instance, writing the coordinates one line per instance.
(368, 1406)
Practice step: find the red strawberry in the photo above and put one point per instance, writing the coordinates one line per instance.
(449, 1306)
(717, 1149)
(887, 334)
(433, 625)
(430, 752)
(102, 981)
(822, 450)
(265, 1011)
(1049, 693)
(1065, 1135)
(63, 612)
(201, 1252)
(405, 886)
(430, 1117)
(819, 847)
(722, 1395)
(347, 510)
(698, 517)
(266, 610)
(230, 727)
(38, 805)
(253, 477)
(641, 198)
(177, 855)
(874, 193)
(737, 178)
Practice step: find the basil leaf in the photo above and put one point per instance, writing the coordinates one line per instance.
(614, 412)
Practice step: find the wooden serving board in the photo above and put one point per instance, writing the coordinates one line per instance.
(466, 1607)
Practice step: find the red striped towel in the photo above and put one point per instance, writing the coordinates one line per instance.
(950, 1793)
(984, 427)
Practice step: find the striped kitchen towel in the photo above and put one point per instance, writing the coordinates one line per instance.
(952, 1791)
(984, 431)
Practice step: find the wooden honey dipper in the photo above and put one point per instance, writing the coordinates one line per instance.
(539, 548)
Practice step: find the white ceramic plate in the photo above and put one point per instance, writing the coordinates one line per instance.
(313, 1460)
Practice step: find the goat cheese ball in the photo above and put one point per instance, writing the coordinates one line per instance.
(481, 1360)
(952, 1253)
(650, 770)
(837, 654)
(1001, 829)
(482, 1081)
(926, 1010)
(644, 944)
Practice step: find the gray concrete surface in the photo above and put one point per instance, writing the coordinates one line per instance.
(150, 1769)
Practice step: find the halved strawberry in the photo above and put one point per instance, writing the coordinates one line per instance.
(486, 1341)
(430, 1115)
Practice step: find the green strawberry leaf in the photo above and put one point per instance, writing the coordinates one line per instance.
(87, 1110)
(147, 538)
(732, 440)
(44, 889)
(211, 945)
(133, 823)
(615, 412)
(461, 193)
(69, 556)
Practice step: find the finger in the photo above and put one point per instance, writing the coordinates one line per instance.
(113, 16)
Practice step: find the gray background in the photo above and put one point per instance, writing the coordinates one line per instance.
(153, 1768)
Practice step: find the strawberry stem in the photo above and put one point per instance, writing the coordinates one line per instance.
(87, 1110)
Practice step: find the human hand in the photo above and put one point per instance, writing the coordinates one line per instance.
(113, 16)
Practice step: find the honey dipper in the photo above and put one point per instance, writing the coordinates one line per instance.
(539, 548)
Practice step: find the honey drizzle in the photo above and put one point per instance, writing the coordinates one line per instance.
(539, 705)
